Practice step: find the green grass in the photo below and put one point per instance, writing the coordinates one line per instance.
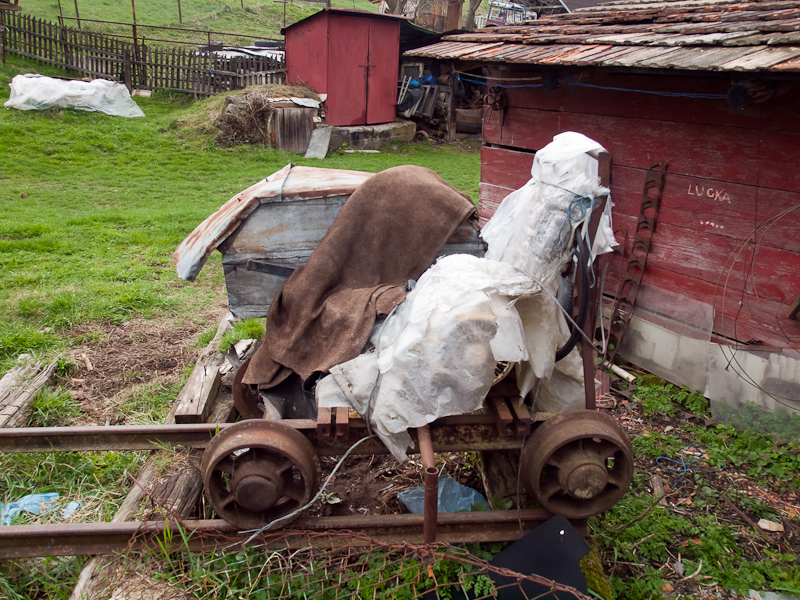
(639, 536)
(249, 329)
(250, 19)
(107, 200)
(669, 399)
(53, 407)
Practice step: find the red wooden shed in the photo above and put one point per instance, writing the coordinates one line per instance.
(710, 92)
(353, 57)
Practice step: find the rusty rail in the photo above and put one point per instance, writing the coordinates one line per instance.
(451, 434)
(86, 539)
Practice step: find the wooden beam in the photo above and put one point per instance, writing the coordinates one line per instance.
(19, 387)
(193, 404)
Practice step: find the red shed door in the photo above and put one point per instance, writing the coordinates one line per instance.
(384, 51)
(362, 73)
(348, 45)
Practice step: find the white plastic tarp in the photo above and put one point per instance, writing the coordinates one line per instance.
(36, 92)
(436, 354)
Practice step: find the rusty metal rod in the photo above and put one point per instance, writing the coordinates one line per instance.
(431, 505)
(450, 434)
(87, 539)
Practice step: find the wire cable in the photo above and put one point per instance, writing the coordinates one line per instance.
(683, 467)
(276, 522)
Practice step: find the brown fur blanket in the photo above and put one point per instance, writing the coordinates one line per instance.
(388, 231)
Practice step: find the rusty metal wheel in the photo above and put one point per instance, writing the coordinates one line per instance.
(577, 464)
(245, 398)
(257, 471)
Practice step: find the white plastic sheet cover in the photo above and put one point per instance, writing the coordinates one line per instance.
(436, 354)
(528, 230)
(36, 92)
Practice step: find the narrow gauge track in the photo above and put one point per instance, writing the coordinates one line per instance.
(451, 434)
(82, 539)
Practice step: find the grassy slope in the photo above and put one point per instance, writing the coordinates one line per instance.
(106, 201)
(92, 208)
(258, 18)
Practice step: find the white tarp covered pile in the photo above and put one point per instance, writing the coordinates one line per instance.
(435, 355)
(36, 92)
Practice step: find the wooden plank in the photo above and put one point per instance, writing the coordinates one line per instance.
(19, 386)
(725, 154)
(505, 167)
(293, 128)
(772, 273)
(725, 209)
(757, 319)
(775, 114)
(489, 199)
(194, 401)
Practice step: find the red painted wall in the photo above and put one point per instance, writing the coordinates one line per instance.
(351, 56)
(307, 53)
(723, 234)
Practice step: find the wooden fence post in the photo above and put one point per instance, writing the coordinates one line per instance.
(96, 55)
(126, 70)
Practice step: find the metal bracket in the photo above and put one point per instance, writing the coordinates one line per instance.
(264, 267)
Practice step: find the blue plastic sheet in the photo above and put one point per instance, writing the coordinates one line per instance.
(453, 497)
(32, 503)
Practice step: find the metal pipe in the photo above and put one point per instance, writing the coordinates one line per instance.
(426, 447)
(431, 506)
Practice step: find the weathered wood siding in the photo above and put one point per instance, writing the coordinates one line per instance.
(723, 235)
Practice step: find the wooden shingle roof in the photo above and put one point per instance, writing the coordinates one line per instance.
(708, 35)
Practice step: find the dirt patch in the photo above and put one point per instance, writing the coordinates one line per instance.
(368, 485)
(128, 355)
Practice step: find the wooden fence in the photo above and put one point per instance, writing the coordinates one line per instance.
(137, 65)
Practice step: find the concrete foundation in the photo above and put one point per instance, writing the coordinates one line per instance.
(361, 137)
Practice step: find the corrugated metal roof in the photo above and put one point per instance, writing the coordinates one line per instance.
(289, 184)
(708, 35)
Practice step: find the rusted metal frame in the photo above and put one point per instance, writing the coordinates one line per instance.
(87, 539)
(450, 434)
(634, 270)
(431, 504)
(587, 349)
